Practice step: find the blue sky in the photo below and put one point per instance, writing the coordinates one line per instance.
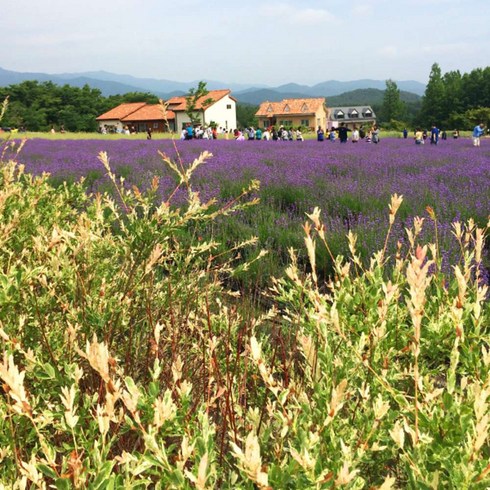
(269, 42)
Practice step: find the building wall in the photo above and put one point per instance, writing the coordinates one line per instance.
(223, 113)
(181, 119)
(111, 123)
(141, 126)
(219, 112)
(295, 121)
(157, 126)
(319, 118)
(351, 123)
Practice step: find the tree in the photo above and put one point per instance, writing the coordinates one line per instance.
(479, 115)
(434, 98)
(392, 108)
(245, 115)
(192, 98)
(453, 98)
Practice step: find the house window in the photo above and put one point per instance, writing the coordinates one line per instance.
(354, 114)
(286, 123)
(155, 125)
(368, 113)
(287, 109)
(340, 115)
(269, 109)
(228, 106)
(304, 108)
(305, 122)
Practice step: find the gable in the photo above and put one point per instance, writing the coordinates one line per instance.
(352, 113)
(290, 107)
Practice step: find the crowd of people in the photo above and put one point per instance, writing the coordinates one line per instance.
(420, 136)
(291, 134)
(341, 133)
(201, 132)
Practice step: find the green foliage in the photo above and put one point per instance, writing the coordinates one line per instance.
(245, 115)
(192, 98)
(126, 362)
(40, 106)
(479, 115)
(449, 97)
(392, 108)
(433, 101)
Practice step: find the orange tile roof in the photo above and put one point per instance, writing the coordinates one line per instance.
(149, 112)
(179, 103)
(121, 111)
(290, 107)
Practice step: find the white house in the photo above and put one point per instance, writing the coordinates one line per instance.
(218, 106)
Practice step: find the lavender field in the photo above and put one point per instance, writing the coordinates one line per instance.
(351, 183)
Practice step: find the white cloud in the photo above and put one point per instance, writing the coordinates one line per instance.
(362, 9)
(389, 51)
(295, 15)
(447, 49)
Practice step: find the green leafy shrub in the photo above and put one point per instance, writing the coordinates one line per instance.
(126, 363)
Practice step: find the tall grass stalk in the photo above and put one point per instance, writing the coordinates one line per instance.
(127, 362)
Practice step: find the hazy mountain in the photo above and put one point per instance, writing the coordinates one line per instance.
(112, 84)
(294, 88)
(370, 96)
(107, 87)
(335, 87)
(255, 97)
(145, 84)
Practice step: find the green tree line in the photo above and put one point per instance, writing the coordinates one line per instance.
(39, 106)
(451, 100)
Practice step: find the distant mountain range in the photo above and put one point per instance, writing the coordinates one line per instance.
(353, 92)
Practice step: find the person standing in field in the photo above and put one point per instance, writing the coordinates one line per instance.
(455, 134)
(419, 137)
(375, 134)
(405, 133)
(355, 134)
(319, 134)
(342, 130)
(434, 135)
(478, 132)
